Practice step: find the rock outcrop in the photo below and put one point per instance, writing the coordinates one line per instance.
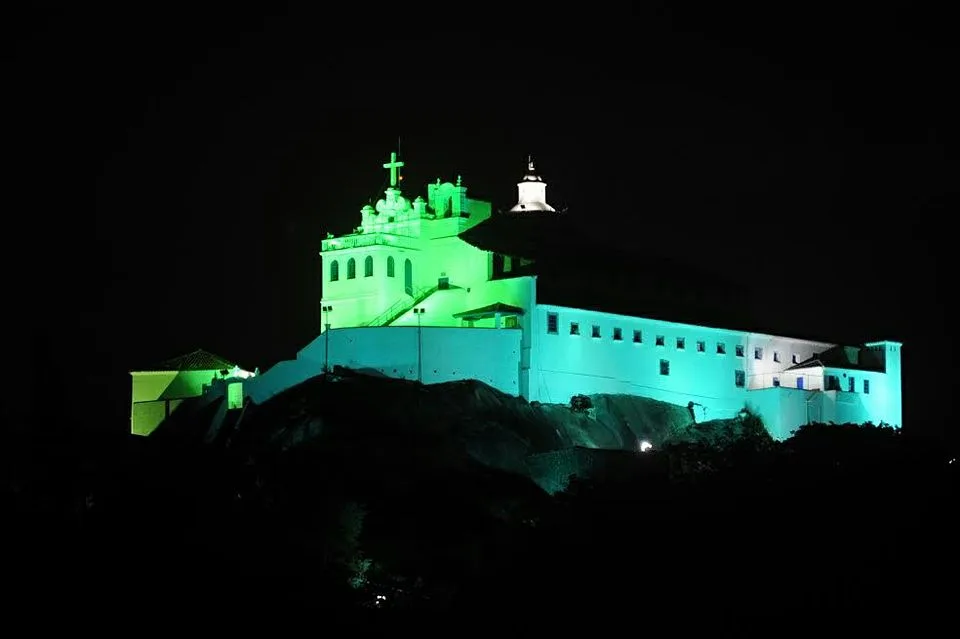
(456, 421)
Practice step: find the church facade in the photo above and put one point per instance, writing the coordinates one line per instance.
(408, 295)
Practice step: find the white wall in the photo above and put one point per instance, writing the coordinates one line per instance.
(880, 404)
(785, 409)
(280, 377)
(790, 351)
(357, 301)
(563, 364)
(489, 355)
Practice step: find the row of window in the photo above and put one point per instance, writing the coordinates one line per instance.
(832, 382)
(681, 343)
(739, 376)
(367, 268)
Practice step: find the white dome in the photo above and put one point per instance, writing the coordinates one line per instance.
(531, 192)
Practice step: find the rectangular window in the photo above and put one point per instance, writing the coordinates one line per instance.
(701, 347)
(574, 328)
(721, 348)
(739, 378)
(664, 367)
(800, 383)
(617, 334)
(739, 350)
(638, 337)
(758, 353)
(681, 343)
(776, 357)
(553, 323)
(776, 382)
(851, 384)
(866, 387)
(595, 331)
(796, 359)
(660, 340)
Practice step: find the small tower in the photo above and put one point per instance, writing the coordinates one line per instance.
(532, 192)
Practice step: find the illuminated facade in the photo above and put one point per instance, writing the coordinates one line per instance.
(158, 391)
(409, 296)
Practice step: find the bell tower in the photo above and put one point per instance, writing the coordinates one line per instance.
(531, 192)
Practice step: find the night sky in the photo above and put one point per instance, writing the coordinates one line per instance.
(806, 151)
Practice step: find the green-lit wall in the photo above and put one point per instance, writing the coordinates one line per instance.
(155, 394)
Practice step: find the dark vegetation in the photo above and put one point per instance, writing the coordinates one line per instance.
(841, 522)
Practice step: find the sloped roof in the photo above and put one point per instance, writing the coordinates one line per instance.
(583, 265)
(849, 357)
(490, 310)
(198, 360)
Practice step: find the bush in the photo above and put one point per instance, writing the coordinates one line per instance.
(580, 403)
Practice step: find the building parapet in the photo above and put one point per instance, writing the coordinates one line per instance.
(367, 239)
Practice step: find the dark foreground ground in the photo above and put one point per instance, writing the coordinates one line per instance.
(840, 525)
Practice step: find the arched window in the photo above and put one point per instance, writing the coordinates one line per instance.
(368, 266)
(334, 271)
(389, 266)
(351, 268)
(408, 277)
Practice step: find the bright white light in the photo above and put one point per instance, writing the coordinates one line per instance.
(645, 446)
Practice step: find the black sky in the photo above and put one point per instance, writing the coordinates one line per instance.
(807, 150)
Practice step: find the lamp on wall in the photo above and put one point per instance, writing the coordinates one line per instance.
(419, 311)
(326, 330)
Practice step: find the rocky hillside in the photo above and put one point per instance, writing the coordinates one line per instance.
(456, 420)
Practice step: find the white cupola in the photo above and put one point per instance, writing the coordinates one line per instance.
(532, 192)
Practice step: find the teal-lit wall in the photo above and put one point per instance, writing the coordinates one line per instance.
(564, 364)
(489, 355)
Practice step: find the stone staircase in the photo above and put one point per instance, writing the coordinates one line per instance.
(402, 305)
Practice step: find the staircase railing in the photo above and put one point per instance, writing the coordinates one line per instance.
(402, 305)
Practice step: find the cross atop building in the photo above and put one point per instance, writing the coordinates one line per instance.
(393, 165)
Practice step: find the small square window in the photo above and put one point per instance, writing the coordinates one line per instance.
(638, 337)
(681, 343)
(739, 350)
(664, 367)
(721, 348)
(739, 378)
(553, 323)
(595, 331)
(660, 340)
(701, 347)
(617, 334)
(574, 328)
(758, 353)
